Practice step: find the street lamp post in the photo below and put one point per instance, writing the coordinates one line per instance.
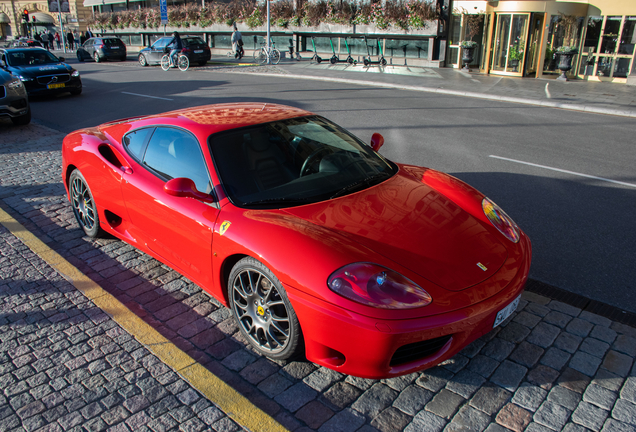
(268, 47)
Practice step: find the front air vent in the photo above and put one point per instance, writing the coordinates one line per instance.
(418, 350)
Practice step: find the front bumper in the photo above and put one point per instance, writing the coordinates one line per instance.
(13, 102)
(36, 89)
(373, 348)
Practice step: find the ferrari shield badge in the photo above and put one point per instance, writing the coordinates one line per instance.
(224, 227)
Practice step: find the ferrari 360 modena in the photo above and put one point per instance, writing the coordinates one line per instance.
(321, 247)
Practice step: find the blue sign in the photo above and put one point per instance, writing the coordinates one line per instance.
(163, 6)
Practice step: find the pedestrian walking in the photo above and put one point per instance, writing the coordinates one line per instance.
(45, 40)
(51, 39)
(76, 38)
(82, 38)
(70, 40)
(58, 41)
(89, 33)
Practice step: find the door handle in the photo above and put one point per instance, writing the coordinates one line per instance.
(127, 170)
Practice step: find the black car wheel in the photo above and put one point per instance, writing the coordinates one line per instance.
(23, 119)
(142, 60)
(265, 316)
(83, 203)
(80, 57)
(97, 58)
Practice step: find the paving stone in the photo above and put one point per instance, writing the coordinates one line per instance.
(508, 375)
(468, 419)
(344, 421)
(526, 354)
(527, 319)
(296, 396)
(558, 319)
(274, 385)
(589, 416)
(543, 335)
(624, 411)
(322, 378)
(543, 376)
(564, 307)
(579, 327)
(400, 383)
(552, 415)
(617, 363)
(456, 363)
(256, 372)
(314, 414)
(568, 342)
(473, 348)
(412, 399)
(603, 333)
(426, 421)
(625, 344)
(529, 396)
(594, 347)
(599, 396)
(444, 404)
(390, 419)
(482, 365)
(465, 383)
(536, 427)
(374, 400)
(555, 358)
(585, 363)
(490, 398)
(362, 383)
(612, 425)
(573, 380)
(564, 397)
(573, 427)
(608, 380)
(595, 319)
(341, 394)
(514, 332)
(494, 427)
(514, 417)
(434, 379)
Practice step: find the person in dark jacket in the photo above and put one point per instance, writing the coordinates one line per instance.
(177, 46)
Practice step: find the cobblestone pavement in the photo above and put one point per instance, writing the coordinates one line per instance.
(550, 367)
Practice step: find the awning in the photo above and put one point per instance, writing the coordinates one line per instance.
(4, 18)
(42, 18)
(88, 3)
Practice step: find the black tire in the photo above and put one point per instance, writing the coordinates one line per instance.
(96, 58)
(263, 312)
(318, 59)
(383, 61)
(80, 58)
(350, 60)
(83, 205)
(333, 60)
(22, 120)
(142, 60)
(366, 62)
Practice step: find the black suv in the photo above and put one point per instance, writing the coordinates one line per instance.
(102, 48)
(193, 46)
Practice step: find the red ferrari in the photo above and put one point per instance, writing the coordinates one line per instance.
(318, 244)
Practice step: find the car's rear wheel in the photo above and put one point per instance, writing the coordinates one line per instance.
(83, 204)
(97, 58)
(265, 316)
(23, 119)
(80, 57)
(142, 60)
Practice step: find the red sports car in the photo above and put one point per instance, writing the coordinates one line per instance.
(318, 244)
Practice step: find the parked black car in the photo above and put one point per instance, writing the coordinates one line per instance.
(193, 46)
(40, 71)
(102, 48)
(14, 102)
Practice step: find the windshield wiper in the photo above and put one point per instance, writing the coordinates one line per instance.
(282, 200)
(360, 184)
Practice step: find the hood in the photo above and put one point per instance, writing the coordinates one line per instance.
(414, 225)
(45, 69)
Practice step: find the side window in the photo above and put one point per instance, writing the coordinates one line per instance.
(175, 153)
(135, 141)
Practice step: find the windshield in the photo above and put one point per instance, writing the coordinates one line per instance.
(30, 58)
(294, 162)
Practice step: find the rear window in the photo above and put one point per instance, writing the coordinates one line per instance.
(193, 41)
(113, 41)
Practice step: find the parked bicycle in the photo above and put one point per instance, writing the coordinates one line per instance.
(183, 63)
(261, 55)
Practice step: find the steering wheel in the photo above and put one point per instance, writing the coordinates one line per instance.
(310, 160)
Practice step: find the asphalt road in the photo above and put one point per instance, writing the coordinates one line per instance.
(576, 202)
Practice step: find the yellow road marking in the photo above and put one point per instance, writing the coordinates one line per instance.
(235, 405)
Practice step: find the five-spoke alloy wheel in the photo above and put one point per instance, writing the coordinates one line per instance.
(264, 314)
(83, 203)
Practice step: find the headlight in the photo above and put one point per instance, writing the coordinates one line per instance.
(75, 73)
(500, 220)
(24, 78)
(376, 286)
(15, 84)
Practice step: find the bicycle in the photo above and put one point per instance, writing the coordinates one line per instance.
(261, 55)
(183, 63)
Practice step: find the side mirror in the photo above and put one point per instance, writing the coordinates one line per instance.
(185, 188)
(377, 141)
(61, 59)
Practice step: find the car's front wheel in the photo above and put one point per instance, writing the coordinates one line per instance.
(83, 203)
(265, 316)
(97, 58)
(142, 60)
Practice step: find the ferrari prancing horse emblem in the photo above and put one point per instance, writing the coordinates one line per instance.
(224, 227)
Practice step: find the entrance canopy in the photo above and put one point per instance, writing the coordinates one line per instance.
(42, 18)
(4, 18)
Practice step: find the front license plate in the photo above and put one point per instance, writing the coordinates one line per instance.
(198, 51)
(507, 311)
(54, 86)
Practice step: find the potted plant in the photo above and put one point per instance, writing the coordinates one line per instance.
(468, 48)
(564, 55)
(515, 54)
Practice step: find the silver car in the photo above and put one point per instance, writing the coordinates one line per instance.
(14, 101)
